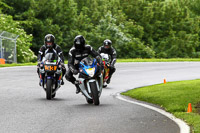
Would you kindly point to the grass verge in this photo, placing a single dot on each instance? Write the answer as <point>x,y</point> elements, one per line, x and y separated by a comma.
<point>118,60</point>
<point>158,60</point>
<point>20,64</point>
<point>174,98</point>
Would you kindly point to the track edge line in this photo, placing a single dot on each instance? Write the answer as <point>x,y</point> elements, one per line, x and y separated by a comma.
<point>184,128</point>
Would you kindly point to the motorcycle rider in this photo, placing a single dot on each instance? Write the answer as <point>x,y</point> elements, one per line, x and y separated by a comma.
<point>108,49</point>
<point>79,51</point>
<point>49,44</point>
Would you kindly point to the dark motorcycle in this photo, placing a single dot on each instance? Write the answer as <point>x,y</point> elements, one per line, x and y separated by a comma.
<point>50,73</point>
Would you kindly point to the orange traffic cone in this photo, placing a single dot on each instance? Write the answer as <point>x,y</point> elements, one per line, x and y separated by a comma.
<point>189,108</point>
<point>165,81</point>
<point>2,61</point>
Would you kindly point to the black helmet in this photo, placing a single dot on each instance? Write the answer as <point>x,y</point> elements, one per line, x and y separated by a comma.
<point>49,40</point>
<point>79,42</point>
<point>107,44</point>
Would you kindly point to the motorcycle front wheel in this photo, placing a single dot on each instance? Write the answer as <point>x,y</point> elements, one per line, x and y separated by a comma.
<point>94,93</point>
<point>53,95</point>
<point>49,89</point>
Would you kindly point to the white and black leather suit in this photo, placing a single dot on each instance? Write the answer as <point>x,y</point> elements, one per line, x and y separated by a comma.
<point>44,49</point>
<point>74,58</point>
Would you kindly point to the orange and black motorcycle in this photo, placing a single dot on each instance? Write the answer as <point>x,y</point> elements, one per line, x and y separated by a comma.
<point>50,74</point>
<point>106,62</point>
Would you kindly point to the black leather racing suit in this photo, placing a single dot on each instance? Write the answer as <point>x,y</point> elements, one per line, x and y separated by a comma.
<point>74,58</point>
<point>112,52</point>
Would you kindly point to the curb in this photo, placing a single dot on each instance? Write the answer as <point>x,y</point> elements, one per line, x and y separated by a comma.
<point>184,128</point>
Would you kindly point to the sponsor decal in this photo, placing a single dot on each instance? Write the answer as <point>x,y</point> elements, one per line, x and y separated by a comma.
<point>78,55</point>
<point>48,38</point>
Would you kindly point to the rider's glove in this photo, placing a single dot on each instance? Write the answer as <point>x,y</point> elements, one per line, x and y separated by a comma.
<point>101,65</point>
<point>111,67</point>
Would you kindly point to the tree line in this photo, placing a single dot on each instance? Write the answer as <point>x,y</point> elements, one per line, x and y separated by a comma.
<point>137,28</point>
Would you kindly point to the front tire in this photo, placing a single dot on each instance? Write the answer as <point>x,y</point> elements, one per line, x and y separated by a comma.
<point>53,96</point>
<point>49,89</point>
<point>94,93</point>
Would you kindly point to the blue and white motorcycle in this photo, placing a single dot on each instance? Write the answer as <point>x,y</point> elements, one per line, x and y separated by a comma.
<point>90,80</point>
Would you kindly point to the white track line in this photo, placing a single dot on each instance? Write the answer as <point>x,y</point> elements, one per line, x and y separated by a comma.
<point>184,128</point>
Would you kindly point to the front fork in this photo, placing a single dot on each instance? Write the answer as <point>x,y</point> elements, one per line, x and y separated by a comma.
<point>56,80</point>
<point>99,83</point>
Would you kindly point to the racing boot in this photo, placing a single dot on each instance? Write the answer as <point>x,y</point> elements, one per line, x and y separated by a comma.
<point>40,83</point>
<point>104,85</point>
<point>63,71</point>
<point>77,86</point>
<point>40,80</point>
<point>62,82</point>
<point>108,81</point>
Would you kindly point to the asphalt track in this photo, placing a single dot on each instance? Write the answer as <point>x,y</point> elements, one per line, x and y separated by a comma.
<point>24,109</point>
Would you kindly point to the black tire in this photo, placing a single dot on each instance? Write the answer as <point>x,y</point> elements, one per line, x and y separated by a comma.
<point>94,93</point>
<point>49,89</point>
<point>90,101</point>
<point>53,95</point>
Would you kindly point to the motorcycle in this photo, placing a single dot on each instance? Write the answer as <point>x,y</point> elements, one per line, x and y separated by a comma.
<point>90,80</point>
<point>106,62</point>
<point>50,74</point>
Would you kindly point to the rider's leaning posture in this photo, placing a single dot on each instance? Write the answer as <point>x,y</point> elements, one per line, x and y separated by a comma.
<point>79,51</point>
<point>49,44</point>
<point>108,49</point>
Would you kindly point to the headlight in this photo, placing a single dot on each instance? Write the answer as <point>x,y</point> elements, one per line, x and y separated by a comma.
<point>91,71</point>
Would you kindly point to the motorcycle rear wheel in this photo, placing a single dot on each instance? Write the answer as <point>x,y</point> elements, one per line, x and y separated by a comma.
<point>53,95</point>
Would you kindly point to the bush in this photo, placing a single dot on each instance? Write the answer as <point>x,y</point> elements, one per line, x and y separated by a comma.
<point>24,54</point>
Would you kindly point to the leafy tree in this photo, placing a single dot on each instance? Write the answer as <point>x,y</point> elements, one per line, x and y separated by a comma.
<point>139,28</point>
<point>164,21</point>
<point>127,46</point>
<point>66,18</point>
<point>24,54</point>
<point>4,6</point>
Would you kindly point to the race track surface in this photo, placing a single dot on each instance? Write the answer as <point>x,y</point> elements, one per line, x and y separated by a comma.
<point>24,109</point>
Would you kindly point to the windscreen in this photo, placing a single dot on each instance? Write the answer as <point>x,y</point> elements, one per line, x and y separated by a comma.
<point>51,57</point>
<point>87,61</point>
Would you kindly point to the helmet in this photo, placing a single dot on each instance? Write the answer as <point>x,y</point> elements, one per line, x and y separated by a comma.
<point>79,42</point>
<point>107,43</point>
<point>49,40</point>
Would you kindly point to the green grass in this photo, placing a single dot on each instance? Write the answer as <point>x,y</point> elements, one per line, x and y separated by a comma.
<point>158,60</point>
<point>174,98</point>
<point>20,64</point>
<point>118,60</point>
